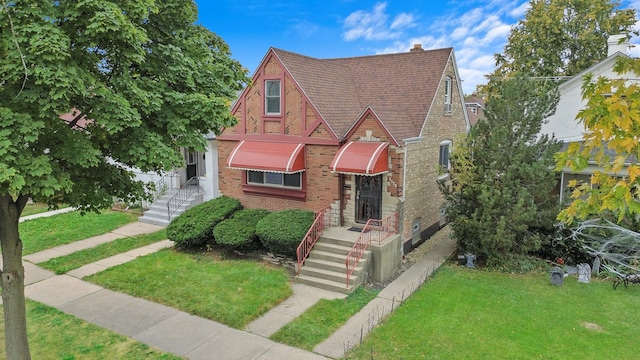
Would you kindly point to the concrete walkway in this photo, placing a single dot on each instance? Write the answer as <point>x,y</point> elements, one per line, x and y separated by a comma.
<point>45,214</point>
<point>180,333</point>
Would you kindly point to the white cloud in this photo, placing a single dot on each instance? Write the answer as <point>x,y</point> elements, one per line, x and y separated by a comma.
<point>427,42</point>
<point>500,32</point>
<point>374,25</point>
<point>459,33</point>
<point>519,11</point>
<point>470,78</point>
<point>484,63</point>
<point>402,20</point>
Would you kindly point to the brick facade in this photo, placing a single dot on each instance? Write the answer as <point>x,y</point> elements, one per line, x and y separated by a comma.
<point>409,187</point>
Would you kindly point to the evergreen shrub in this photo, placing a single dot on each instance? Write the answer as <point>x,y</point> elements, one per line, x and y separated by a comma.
<point>239,231</point>
<point>281,232</point>
<point>195,226</point>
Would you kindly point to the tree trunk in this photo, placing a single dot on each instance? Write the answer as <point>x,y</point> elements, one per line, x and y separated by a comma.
<point>12,275</point>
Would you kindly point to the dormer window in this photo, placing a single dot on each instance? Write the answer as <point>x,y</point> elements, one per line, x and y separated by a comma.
<point>447,95</point>
<point>272,97</point>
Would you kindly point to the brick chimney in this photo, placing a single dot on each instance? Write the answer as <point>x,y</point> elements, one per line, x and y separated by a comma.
<point>615,45</point>
<point>416,47</point>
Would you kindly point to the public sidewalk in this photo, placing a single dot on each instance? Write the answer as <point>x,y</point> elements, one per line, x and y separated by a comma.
<point>193,337</point>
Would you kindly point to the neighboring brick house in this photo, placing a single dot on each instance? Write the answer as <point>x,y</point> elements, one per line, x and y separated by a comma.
<point>475,108</point>
<point>363,135</point>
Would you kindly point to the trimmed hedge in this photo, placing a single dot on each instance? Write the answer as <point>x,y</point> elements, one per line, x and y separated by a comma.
<point>239,231</point>
<point>281,232</point>
<point>195,226</point>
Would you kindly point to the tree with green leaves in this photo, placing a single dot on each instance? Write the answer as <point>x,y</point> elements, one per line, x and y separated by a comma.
<point>139,79</point>
<point>611,119</point>
<point>562,37</point>
<point>498,194</point>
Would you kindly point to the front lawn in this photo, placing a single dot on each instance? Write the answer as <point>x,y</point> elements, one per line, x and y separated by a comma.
<point>322,319</point>
<point>64,264</point>
<point>47,232</point>
<point>469,314</point>
<point>56,335</point>
<point>36,208</point>
<point>233,292</point>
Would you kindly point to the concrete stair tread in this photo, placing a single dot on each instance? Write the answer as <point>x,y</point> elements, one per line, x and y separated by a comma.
<point>327,274</point>
<point>157,211</point>
<point>331,265</point>
<point>326,284</point>
<point>336,249</point>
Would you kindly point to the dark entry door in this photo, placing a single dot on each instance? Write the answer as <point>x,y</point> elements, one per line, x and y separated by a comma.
<point>192,165</point>
<point>368,198</point>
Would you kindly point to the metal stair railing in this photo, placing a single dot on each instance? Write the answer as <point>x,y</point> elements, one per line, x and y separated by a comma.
<point>184,193</point>
<point>160,188</point>
<point>323,218</point>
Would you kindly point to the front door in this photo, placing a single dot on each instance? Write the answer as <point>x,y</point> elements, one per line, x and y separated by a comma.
<point>368,198</point>
<point>192,164</point>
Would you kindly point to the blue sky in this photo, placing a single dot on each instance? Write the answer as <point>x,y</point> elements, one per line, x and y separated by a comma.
<point>344,28</point>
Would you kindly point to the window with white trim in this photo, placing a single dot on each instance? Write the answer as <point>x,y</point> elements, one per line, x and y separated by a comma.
<point>447,94</point>
<point>272,97</point>
<point>445,152</point>
<point>290,181</point>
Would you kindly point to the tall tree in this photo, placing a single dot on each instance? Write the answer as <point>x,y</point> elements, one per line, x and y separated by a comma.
<point>562,37</point>
<point>498,197</point>
<point>611,119</point>
<point>141,80</point>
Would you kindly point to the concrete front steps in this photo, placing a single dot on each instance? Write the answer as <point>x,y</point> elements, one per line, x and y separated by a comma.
<point>157,213</point>
<point>325,267</point>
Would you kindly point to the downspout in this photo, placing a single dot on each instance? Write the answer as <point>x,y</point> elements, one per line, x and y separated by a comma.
<point>341,191</point>
<point>561,186</point>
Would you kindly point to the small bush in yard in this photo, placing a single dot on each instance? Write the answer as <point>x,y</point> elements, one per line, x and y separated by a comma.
<point>281,232</point>
<point>195,226</point>
<point>239,231</point>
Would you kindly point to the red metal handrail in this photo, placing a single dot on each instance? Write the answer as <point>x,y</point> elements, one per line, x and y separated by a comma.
<point>312,236</point>
<point>374,229</point>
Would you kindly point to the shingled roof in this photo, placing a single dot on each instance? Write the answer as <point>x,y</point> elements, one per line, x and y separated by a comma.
<point>399,88</point>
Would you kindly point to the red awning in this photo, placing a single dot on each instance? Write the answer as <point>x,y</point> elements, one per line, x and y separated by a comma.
<point>362,158</point>
<point>267,156</point>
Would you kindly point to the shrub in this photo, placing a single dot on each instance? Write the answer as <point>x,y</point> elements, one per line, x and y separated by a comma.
<point>281,232</point>
<point>195,226</point>
<point>239,231</point>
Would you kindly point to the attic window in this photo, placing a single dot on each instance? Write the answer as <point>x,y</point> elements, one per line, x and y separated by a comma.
<point>272,97</point>
<point>447,95</point>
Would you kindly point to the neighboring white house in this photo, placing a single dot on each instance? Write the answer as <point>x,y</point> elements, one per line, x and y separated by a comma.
<point>564,124</point>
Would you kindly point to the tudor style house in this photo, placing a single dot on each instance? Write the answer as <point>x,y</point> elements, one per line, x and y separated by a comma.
<point>366,136</point>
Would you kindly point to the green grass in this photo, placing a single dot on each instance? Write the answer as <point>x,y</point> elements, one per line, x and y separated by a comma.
<point>322,319</point>
<point>469,314</point>
<point>55,335</point>
<point>233,292</point>
<point>64,264</point>
<point>47,232</point>
<point>36,208</point>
